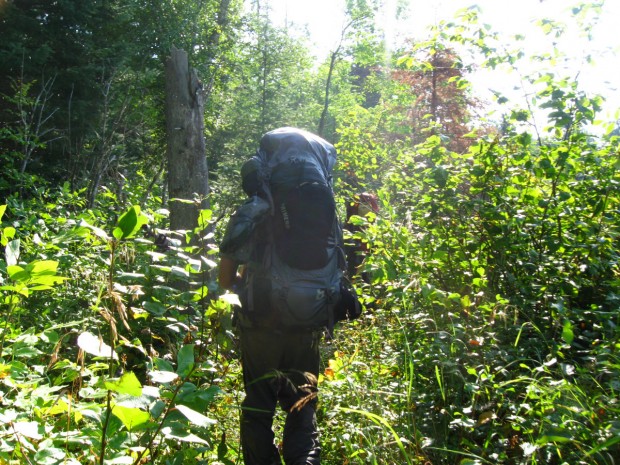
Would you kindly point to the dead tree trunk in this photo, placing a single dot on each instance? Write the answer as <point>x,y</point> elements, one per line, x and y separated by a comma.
<point>328,84</point>
<point>187,162</point>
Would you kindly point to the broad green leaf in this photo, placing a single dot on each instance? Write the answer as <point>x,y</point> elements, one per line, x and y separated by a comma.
<point>11,252</point>
<point>196,418</point>
<point>50,336</point>
<point>127,384</point>
<point>7,234</point>
<point>178,271</point>
<point>58,407</point>
<point>163,364</point>
<point>13,299</point>
<point>47,455</point>
<point>158,376</point>
<point>193,266</point>
<point>30,429</point>
<point>92,345</point>
<point>204,217</point>
<point>22,350</point>
<point>210,263</point>
<point>185,360</point>
<point>47,281</point>
<point>130,223</point>
<point>357,220</point>
<point>100,233</point>
<point>41,287</point>
<point>17,273</point>
<point>567,332</point>
<point>43,267</point>
<point>222,447</point>
<point>130,416</point>
<point>155,308</point>
<point>2,210</point>
<point>231,299</point>
<point>181,435</point>
<point>200,294</point>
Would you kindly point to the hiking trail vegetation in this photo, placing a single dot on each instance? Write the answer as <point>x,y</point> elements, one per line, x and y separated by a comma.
<point>492,279</point>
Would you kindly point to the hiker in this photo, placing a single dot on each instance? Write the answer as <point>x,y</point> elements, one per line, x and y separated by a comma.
<point>287,239</point>
<point>361,205</point>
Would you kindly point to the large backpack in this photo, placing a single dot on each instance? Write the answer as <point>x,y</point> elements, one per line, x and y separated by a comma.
<point>294,277</point>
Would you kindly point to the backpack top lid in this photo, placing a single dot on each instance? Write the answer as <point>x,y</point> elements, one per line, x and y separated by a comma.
<point>251,175</point>
<point>283,142</point>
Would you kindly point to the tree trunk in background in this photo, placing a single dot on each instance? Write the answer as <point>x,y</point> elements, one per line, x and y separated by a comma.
<point>332,64</point>
<point>187,162</point>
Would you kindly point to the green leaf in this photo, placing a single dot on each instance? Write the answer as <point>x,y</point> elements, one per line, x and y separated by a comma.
<point>163,377</point>
<point>38,275</point>
<point>2,210</point>
<point>162,364</point>
<point>100,233</point>
<point>127,384</point>
<point>194,417</point>
<point>185,360</point>
<point>11,252</point>
<point>19,350</point>
<point>200,294</point>
<point>554,437</point>
<point>180,435</point>
<point>130,416</point>
<point>231,299</point>
<point>222,447</point>
<point>17,273</point>
<point>155,308</point>
<point>49,455</point>
<point>43,267</point>
<point>204,217</point>
<point>130,223</point>
<point>604,446</point>
<point>567,332</point>
<point>91,344</point>
<point>30,429</point>
<point>7,233</point>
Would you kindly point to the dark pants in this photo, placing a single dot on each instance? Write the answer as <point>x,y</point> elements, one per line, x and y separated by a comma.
<point>279,367</point>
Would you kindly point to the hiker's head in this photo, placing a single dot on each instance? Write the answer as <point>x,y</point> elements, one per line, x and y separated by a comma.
<point>250,181</point>
<point>362,204</point>
<point>368,202</point>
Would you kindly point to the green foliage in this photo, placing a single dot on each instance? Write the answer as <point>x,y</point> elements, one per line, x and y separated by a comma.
<point>129,376</point>
<point>491,279</point>
<point>493,324</point>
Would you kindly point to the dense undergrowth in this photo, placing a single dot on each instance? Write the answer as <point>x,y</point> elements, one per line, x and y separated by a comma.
<point>492,296</point>
<point>490,335</point>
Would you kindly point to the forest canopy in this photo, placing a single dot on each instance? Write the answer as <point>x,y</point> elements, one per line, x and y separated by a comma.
<point>492,280</point>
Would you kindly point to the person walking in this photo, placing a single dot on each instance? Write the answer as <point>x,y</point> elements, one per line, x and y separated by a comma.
<point>282,366</point>
<point>288,281</point>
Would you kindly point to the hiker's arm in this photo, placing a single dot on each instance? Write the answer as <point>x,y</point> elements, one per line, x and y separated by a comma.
<point>228,273</point>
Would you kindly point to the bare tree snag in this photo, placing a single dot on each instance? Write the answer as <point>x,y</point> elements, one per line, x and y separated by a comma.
<point>187,161</point>
<point>332,65</point>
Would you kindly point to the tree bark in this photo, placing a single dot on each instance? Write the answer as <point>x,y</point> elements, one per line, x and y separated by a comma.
<point>187,162</point>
